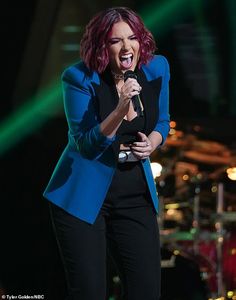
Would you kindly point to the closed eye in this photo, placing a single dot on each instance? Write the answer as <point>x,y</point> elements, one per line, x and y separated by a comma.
<point>113,41</point>
<point>133,37</point>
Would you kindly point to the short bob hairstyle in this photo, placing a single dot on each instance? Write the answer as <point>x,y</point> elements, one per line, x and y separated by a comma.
<point>94,42</point>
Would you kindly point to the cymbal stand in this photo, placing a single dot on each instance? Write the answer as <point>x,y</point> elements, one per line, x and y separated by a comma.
<point>219,241</point>
<point>161,214</point>
<point>195,224</point>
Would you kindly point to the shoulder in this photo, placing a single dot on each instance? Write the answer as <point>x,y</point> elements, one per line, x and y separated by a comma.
<point>156,67</point>
<point>79,74</point>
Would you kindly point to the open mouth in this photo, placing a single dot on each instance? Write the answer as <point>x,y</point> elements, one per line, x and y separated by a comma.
<point>126,60</point>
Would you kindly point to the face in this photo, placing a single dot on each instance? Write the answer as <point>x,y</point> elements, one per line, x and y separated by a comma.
<point>123,47</point>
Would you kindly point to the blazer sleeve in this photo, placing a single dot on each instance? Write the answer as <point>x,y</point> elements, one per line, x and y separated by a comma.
<point>162,125</point>
<point>84,128</point>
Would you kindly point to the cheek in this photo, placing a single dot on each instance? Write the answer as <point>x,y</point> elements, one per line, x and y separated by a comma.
<point>138,51</point>
<point>112,53</point>
<point>114,56</point>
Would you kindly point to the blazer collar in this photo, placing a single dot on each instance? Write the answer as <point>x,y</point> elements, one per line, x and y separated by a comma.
<point>149,96</point>
<point>107,97</point>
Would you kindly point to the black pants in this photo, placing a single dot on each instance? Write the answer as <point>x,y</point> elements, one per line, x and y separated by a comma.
<point>126,227</point>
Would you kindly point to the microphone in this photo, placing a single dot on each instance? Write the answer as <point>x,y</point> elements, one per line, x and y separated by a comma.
<point>137,104</point>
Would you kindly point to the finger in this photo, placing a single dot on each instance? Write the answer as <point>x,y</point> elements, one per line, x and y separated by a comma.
<point>128,95</point>
<point>143,143</point>
<point>142,136</point>
<point>131,81</point>
<point>137,149</point>
<point>132,85</point>
<point>140,155</point>
<point>131,94</point>
<point>141,150</point>
<point>140,144</point>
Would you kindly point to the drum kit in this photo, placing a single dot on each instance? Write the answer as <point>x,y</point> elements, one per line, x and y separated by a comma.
<point>197,219</point>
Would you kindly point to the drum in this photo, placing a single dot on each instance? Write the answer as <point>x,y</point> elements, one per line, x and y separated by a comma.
<point>229,261</point>
<point>207,260</point>
<point>181,277</point>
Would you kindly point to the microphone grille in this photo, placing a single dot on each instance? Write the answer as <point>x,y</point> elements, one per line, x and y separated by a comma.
<point>129,74</point>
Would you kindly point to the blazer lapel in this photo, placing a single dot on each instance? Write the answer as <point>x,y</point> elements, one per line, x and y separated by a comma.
<point>106,101</point>
<point>149,96</point>
<point>107,97</point>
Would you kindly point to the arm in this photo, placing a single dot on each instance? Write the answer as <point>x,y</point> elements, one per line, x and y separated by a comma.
<point>157,137</point>
<point>90,138</point>
<point>84,130</point>
<point>162,127</point>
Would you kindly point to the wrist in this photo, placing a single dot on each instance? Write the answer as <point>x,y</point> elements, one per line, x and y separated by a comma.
<point>155,139</point>
<point>119,112</point>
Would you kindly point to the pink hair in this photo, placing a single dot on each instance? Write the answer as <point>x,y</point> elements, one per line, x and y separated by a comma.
<point>93,45</point>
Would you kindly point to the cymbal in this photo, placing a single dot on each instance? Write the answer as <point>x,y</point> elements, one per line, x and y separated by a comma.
<point>177,236</point>
<point>187,236</point>
<point>191,142</point>
<point>228,216</point>
<point>176,205</point>
<point>181,167</point>
<point>179,139</point>
<point>176,142</point>
<point>207,158</point>
<point>210,147</point>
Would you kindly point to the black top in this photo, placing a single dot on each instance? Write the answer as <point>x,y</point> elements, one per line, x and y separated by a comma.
<point>129,186</point>
<point>127,132</point>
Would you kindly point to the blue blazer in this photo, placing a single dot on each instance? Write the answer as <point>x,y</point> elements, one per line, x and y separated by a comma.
<point>84,172</point>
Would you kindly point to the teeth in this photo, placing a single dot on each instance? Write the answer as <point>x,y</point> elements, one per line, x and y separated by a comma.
<point>126,56</point>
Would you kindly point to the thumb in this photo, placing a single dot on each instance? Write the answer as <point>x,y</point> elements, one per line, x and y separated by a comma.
<point>142,136</point>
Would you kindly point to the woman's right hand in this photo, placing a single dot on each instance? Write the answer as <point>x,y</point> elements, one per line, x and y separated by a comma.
<point>109,126</point>
<point>129,89</point>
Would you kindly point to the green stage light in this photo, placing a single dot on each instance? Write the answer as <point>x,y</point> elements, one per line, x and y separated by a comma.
<point>159,17</point>
<point>230,8</point>
<point>210,55</point>
<point>29,117</point>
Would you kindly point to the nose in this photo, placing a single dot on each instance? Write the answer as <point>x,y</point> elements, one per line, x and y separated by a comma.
<point>126,45</point>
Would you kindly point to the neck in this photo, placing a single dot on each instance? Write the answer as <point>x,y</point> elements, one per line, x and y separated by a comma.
<point>117,76</point>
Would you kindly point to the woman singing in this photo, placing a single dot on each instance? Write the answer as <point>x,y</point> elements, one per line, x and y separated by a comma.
<point>102,193</point>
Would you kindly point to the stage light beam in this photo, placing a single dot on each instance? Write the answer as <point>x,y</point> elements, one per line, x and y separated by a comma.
<point>29,117</point>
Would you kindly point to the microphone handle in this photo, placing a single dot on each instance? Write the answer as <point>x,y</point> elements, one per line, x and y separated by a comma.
<point>137,105</point>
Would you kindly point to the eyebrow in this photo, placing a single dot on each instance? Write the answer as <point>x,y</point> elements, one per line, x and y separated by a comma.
<point>118,38</point>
